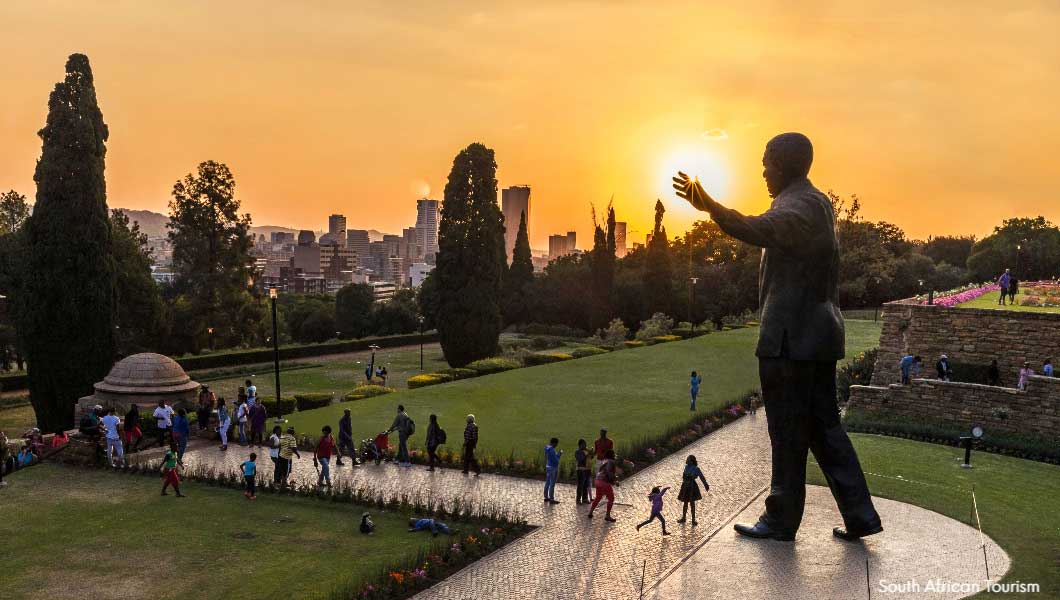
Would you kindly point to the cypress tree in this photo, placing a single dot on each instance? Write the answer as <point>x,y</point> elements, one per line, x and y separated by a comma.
<point>471,259</point>
<point>519,279</point>
<point>67,301</point>
<point>658,281</point>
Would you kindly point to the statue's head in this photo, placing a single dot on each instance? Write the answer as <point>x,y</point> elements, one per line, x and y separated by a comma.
<point>787,158</point>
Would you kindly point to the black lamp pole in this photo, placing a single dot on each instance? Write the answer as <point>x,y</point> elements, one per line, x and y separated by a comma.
<point>275,344</point>
<point>421,342</point>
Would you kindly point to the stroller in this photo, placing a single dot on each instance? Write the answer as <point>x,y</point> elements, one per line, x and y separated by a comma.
<point>376,450</point>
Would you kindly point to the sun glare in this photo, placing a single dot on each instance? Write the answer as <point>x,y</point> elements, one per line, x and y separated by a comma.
<point>695,160</point>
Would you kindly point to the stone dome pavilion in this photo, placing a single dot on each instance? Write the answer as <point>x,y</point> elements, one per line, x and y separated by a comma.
<point>142,379</point>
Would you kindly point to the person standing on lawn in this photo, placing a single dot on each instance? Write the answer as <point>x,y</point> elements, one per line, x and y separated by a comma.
<point>258,415</point>
<point>252,393</point>
<point>170,477</point>
<point>470,442</point>
<point>181,433</point>
<point>584,472</point>
<point>242,416</point>
<point>605,482</point>
<point>250,472</point>
<point>689,493</point>
<point>435,438</point>
<point>288,450</point>
<point>656,497</point>
<point>404,427</point>
<point>322,455</point>
<point>274,454</point>
<point>346,439</point>
<point>552,457</point>
<point>1013,288</point>
<point>1002,283</point>
<point>164,421</point>
<point>224,422</point>
<point>133,432</point>
<point>694,389</point>
<point>110,424</point>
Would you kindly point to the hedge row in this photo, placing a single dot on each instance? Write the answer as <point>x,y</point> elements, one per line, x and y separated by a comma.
<point>367,391</point>
<point>18,381</point>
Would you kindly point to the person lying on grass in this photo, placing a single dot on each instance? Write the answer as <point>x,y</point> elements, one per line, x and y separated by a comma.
<point>432,525</point>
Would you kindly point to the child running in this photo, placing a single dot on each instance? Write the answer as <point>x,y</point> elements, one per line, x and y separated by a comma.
<point>656,497</point>
<point>169,473</point>
<point>250,472</point>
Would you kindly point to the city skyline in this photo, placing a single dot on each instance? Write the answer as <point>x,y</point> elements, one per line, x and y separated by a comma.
<point>359,110</point>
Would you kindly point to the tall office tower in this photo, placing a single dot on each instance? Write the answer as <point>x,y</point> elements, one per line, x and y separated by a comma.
<point>427,218</point>
<point>306,237</point>
<point>337,228</point>
<point>561,245</point>
<point>357,240</point>
<point>515,201</point>
<point>620,238</point>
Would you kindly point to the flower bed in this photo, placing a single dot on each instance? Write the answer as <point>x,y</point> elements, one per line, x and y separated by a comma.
<point>1040,293</point>
<point>961,295</point>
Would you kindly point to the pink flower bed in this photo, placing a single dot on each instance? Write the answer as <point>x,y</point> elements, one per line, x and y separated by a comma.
<point>965,296</point>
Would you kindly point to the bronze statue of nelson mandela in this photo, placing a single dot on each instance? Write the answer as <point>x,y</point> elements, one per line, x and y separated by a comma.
<point>800,340</point>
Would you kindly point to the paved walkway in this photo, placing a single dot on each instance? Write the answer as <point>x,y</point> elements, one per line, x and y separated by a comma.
<point>570,556</point>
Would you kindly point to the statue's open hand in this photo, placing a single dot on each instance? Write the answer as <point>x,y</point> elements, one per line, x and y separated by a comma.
<point>692,191</point>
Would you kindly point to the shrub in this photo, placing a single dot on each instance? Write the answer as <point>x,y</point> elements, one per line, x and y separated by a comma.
<point>550,330</point>
<point>460,373</point>
<point>544,358</point>
<point>857,372</point>
<point>583,351</point>
<point>658,324</point>
<point>311,401</point>
<point>612,337</point>
<point>667,338</point>
<point>633,343</point>
<point>367,391</point>
<point>418,381</point>
<point>486,366</point>
<point>544,342</point>
<point>285,406</point>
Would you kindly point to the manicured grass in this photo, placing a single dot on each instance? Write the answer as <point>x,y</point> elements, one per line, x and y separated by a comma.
<point>635,393</point>
<point>91,534</point>
<point>989,300</point>
<point>15,420</point>
<point>1016,498</point>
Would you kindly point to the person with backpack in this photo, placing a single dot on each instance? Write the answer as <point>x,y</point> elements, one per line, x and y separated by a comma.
<point>405,426</point>
<point>435,438</point>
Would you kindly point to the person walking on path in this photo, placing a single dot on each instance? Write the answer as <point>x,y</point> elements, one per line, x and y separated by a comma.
<point>258,416</point>
<point>693,387</point>
<point>288,450</point>
<point>552,456</point>
<point>435,438</point>
<point>346,440</point>
<point>656,497</point>
<point>470,442</point>
<point>942,368</point>
<point>181,433</point>
<point>910,366</point>
<point>584,473</point>
<point>404,427</point>
<point>1025,374</point>
<point>223,423</point>
<point>1047,367</point>
<point>111,423</point>
<point>250,472</point>
<point>133,431</point>
<point>252,393</point>
<point>1013,288</point>
<point>274,454</point>
<point>689,493</point>
<point>322,455</point>
<point>605,482</point>
<point>601,446</point>
<point>164,421</point>
<point>242,416</point>
<point>205,407</point>
<point>170,477</point>
<point>1002,283</point>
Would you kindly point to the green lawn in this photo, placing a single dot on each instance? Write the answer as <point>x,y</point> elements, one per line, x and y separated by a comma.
<point>989,300</point>
<point>1017,498</point>
<point>92,534</point>
<point>635,393</point>
<point>15,420</point>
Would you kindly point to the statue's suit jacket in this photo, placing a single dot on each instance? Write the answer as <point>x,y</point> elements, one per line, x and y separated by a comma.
<point>799,276</point>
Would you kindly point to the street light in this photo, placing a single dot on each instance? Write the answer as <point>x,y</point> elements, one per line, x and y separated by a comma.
<point>209,331</point>
<point>273,293</point>
<point>692,300</point>
<point>420,319</point>
<point>371,365</point>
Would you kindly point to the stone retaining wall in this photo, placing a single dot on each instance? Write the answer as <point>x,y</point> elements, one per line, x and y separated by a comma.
<point>1034,412</point>
<point>966,335</point>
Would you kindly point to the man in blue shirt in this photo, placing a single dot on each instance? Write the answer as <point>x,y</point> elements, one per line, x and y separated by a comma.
<point>909,363</point>
<point>1047,367</point>
<point>1002,282</point>
<point>428,525</point>
<point>551,470</point>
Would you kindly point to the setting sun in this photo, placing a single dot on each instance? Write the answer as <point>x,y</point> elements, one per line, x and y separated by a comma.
<point>697,160</point>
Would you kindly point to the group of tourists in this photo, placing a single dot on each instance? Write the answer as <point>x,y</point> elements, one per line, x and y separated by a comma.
<point>909,367</point>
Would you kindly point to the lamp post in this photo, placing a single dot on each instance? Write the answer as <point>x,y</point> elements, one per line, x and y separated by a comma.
<point>692,300</point>
<point>209,332</point>
<point>273,293</point>
<point>420,319</point>
<point>371,365</point>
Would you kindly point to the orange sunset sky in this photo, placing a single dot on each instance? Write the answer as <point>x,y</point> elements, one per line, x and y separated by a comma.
<point>944,117</point>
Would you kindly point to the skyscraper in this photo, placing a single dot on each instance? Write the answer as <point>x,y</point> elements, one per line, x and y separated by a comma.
<point>357,240</point>
<point>561,245</point>
<point>515,201</point>
<point>337,228</point>
<point>620,238</point>
<point>427,227</point>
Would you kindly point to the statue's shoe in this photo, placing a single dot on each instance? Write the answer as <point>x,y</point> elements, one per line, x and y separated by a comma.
<point>761,530</point>
<point>856,534</point>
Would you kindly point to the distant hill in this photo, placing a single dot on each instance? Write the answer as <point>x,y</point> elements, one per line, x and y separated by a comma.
<point>154,225</point>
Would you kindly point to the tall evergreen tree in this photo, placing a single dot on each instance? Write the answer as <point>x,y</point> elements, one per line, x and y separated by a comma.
<point>471,259</point>
<point>66,304</point>
<point>603,271</point>
<point>519,280</point>
<point>658,277</point>
<point>13,212</point>
<point>212,262</point>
